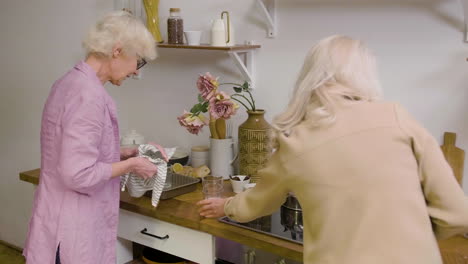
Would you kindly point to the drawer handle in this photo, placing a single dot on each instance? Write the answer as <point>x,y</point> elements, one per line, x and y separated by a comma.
<point>155,236</point>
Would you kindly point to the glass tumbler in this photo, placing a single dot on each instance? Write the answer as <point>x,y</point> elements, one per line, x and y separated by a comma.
<point>212,187</point>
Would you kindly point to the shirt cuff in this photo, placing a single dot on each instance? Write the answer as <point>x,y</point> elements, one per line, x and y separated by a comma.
<point>228,208</point>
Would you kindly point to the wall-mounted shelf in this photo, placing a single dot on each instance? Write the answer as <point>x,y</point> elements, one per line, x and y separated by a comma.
<point>209,47</point>
<point>268,8</point>
<point>465,12</point>
<point>245,64</point>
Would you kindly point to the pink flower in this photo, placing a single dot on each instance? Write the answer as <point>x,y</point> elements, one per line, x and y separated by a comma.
<point>221,106</point>
<point>207,85</point>
<point>192,123</point>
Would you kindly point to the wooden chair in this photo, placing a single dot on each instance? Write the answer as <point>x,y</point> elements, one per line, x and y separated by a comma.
<point>454,250</point>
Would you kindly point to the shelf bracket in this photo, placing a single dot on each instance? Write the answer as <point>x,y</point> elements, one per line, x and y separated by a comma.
<point>269,10</point>
<point>246,65</point>
<point>465,12</point>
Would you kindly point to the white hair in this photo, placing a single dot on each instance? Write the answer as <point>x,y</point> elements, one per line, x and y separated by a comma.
<point>123,28</point>
<point>338,70</point>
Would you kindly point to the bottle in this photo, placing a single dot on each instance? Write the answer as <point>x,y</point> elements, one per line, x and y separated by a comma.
<point>175,27</point>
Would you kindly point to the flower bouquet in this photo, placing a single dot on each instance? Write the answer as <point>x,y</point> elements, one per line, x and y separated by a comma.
<point>220,106</point>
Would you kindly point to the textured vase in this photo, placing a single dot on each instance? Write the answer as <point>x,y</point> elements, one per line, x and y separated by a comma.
<point>254,149</point>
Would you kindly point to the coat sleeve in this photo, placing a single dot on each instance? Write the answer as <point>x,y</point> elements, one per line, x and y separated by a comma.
<point>82,127</point>
<point>446,202</point>
<point>265,198</point>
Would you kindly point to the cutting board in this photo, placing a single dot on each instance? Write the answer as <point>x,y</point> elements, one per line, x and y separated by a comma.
<point>454,155</point>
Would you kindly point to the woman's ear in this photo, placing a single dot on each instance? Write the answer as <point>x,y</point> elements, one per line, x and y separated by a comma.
<point>116,50</point>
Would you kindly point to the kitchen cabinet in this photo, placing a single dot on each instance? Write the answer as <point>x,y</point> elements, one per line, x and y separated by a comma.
<point>181,213</point>
<point>176,240</point>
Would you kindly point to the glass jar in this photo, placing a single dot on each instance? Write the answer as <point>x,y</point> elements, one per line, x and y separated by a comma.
<point>175,27</point>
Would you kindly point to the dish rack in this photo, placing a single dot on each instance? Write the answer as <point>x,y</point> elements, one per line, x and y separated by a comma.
<point>176,185</point>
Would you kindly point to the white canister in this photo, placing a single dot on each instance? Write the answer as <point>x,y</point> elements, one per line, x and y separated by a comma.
<point>199,156</point>
<point>132,138</point>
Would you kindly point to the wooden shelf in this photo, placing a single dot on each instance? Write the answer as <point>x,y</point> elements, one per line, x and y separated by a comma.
<point>209,47</point>
<point>245,64</point>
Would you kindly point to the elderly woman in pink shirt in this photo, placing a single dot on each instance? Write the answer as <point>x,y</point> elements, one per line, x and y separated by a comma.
<point>76,205</point>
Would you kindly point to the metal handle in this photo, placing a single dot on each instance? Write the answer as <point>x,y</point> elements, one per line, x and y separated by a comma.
<point>228,25</point>
<point>252,257</point>
<point>151,235</point>
<point>249,256</point>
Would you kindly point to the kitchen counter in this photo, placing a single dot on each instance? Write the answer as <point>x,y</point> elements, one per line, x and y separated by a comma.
<point>182,211</point>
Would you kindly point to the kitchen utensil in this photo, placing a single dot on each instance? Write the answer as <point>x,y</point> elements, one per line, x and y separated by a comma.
<point>212,187</point>
<point>199,156</point>
<point>454,155</point>
<point>291,216</point>
<point>219,35</point>
<point>193,37</point>
<point>222,157</point>
<point>229,29</point>
<point>180,184</point>
<point>238,182</point>
<point>229,128</point>
<point>132,139</point>
<point>175,27</point>
<point>181,156</point>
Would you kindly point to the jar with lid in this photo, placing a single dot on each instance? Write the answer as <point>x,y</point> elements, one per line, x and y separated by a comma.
<point>175,27</point>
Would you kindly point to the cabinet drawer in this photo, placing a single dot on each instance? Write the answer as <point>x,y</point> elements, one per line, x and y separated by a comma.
<point>183,242</point>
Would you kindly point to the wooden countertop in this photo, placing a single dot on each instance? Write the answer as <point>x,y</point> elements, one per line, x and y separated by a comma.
<point>181,210</point>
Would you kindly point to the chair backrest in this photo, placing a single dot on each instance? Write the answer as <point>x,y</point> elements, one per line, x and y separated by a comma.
<point>454,155</point>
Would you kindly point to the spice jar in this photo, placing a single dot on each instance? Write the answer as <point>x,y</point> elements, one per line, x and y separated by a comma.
<point>175,27</point>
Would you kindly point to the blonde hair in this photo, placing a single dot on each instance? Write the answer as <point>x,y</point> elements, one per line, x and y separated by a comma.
<point>123,28</point>
<point>338,70</point>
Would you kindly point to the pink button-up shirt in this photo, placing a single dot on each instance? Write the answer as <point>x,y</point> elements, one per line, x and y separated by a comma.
<point>76,204</point>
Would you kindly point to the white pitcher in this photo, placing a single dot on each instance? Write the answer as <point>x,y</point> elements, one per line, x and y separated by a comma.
<point>222,157</point>
<point>222,34</point>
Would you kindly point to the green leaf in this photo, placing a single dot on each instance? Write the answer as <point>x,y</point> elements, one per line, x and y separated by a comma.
<point>195,109</point>
<point>245,86</point>
<point>237,89</point>
<point>200,98</point>
<point>204,107</point>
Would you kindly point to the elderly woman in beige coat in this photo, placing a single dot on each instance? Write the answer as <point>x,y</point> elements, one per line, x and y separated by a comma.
<point>373,183</point>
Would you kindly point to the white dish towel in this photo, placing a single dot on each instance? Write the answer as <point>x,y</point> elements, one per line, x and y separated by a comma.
<point>138,186</point>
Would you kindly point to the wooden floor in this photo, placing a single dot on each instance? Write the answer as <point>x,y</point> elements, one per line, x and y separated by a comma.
<point>9,255</point>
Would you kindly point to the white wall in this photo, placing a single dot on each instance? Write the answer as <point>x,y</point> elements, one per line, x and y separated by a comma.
<point>418,43</point>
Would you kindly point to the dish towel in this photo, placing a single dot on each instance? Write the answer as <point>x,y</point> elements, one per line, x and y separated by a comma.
<point>138,186</point>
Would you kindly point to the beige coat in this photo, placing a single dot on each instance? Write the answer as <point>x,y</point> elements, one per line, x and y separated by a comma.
<point>374,188</point>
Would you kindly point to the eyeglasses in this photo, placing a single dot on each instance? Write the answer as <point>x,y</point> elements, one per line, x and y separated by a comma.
<point>140,63</point>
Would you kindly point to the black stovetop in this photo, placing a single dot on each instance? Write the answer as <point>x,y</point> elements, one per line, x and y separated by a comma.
<point>270,225</point>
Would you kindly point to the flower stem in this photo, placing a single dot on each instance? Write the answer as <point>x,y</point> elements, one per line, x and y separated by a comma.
<point>253,107</point>
<point>239,102</point>
<point>231,83</point>
<point>253,101</point>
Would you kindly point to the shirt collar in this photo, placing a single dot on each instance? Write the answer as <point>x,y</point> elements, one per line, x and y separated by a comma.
<point>88,71</point>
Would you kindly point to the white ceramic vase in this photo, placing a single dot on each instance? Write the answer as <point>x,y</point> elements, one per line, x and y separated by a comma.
<point>222,157</point>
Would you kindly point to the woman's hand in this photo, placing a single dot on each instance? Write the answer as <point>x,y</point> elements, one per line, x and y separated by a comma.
<point>143,167</point>
<point>212,208</point>
<point>161,149</point>
<point>126,153</point>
